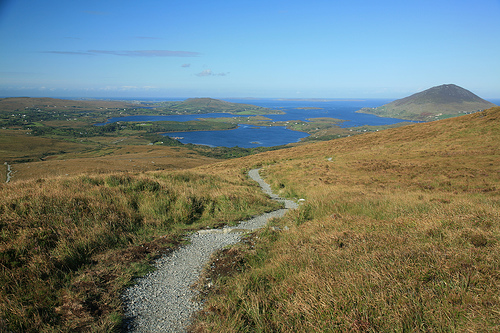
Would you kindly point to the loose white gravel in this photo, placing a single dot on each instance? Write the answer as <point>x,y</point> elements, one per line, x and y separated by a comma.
<point>163,301</point>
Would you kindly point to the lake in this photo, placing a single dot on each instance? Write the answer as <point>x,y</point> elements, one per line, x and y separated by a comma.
<point>245,136</point>
<point>257,136</point>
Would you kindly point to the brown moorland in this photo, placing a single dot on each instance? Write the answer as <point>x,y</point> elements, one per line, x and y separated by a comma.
<point>399,232</point>
<point>126,158</point>
<point>33,157</point>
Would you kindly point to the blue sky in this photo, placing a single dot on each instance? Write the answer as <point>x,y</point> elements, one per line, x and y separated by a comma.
<point>239,48</point>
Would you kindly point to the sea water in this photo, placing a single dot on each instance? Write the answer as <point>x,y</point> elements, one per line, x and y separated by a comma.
<point>248,136</point>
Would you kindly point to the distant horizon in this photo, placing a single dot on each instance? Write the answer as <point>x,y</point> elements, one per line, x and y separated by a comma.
<point>493,100</point>
<point>188,97</point>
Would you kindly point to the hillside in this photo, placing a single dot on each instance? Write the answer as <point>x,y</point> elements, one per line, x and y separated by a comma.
<point>399,230</point>
<point>21,103</point>
<point>434,103</point>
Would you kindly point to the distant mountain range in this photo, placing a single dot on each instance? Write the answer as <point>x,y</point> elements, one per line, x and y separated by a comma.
<point>438,102</point>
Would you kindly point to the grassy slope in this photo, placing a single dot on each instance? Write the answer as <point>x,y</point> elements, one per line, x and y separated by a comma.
<point>33,157</point>
<point>114,159</point>
<point>69,245</point>
<point>16,145</point>
<point>400,231</point>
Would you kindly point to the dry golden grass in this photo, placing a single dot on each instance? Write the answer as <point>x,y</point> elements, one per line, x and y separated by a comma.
<point>68,246</point>
<point>17,145</point>
<point>33,157</point>
<point>3,172</point>
<point>120,159</point>
<point>400,232</point>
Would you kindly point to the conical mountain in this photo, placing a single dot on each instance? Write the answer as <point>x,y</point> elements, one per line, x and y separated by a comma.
<point>442,101</point>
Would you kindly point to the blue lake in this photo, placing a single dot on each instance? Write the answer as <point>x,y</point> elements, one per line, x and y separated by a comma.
<point>245,136</point>
<point>251,136</point>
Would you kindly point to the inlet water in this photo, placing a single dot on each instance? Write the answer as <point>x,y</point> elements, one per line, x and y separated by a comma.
<point>247,136</point>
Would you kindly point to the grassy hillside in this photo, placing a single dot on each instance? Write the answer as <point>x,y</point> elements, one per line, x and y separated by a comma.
<point>69,245</point>
<point>32,157</point>
<point>17,146</point>
<point>14,104</point>
<point>110,160</point>
<point>399,232</point>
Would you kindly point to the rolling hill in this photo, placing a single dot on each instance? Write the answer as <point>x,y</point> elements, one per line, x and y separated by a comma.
<point>434,103</point>
<point>210,105</point>
<point>190,105</point>
<point>21,103</point>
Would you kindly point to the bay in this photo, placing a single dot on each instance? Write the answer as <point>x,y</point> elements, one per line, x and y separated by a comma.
<point>339,109</point>
<point>247,136</point>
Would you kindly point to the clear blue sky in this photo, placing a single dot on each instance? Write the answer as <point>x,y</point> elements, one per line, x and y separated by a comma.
<point>239,48</point>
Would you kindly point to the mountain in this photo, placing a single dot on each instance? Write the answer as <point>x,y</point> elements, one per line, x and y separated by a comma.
<point>437,102</point>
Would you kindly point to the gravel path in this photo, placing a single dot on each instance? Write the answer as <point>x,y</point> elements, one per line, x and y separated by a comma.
<point>9,172</point>
<point>162,301</point>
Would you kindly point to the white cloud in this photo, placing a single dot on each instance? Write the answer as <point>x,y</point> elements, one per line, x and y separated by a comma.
<point>209,72</point>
